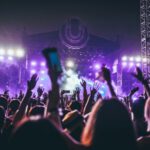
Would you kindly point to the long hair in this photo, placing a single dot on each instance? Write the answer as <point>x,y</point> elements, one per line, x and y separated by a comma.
<point>109,126</point>
<point>37,134</point>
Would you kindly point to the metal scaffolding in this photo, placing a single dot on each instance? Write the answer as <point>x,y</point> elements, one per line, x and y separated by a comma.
<point>145,35</point>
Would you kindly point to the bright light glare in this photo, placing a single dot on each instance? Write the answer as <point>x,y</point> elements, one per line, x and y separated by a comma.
<point>33,71</point>
<point>138,59</point>
<point>97,66</point>
<point>1,58</point>
<point>33,63</point>
<point>20,53</point>
<point>10,58</point>
<point>124,64</point>
<point>131,59</point>
<point>124,58</point>
<point>10,52</point>
<point>138,64</point>
<point>2,52</point>
<point>70,64</point>
<point>131,64</point>
<point>42,64</point>
<point>42,71</point>
<point>144,60</point>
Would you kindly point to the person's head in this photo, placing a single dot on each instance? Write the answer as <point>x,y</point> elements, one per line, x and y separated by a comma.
<point>37,134</point>
<point>37,111</point>
<point>109,126</point>
<point>3,102</point>
<point>75,105</point>
<point>138,108</point>
<point>147,113</point>
<point>13,106</point>
<point>74,123</point>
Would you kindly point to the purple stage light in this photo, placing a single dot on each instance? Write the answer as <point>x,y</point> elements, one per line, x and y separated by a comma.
<point>10,52</point>
<point>10,58</point>
<point>138,59</point>
<point>33,71</point>
<point>1,58</point>
<point>41,85</point>
<point>90,74</point>
<point>42,79</point>
<point>43,71</point>
<point>43,63</point>
<point>33,63</point>
<point>131,64</point>
<point>138,64</point>
<point>144,60</point>
<point>124,58</point>
<point>90,67</point>
<point>124,64</point>
<point>97,66</point>
<point>2,52</point>
<point>131,59</point>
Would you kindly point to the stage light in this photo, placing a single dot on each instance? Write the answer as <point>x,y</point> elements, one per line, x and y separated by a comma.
<point>97,66</point>
<point>131,59</point>
<point>10,58</point>
<point>124,58</point>
<point>138,59</point>
<point>33,63</point>
<point>91,67</point>
<point>10,52</point>
<point>70,64</point>
<point>90,74</point>
<point>124,64</point>
<point>144,60</point>
<point>138,64</point>
<point>43,63</point>
<point>41,85</point>
<point>2,52</point>
<point>42,71</point>
<point>33,71</point>
<point>1,58</point>
<point>131,64</point>
<point>20,53</point>
<point>42,79</point>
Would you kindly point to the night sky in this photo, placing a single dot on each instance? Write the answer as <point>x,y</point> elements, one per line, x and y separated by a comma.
<point>105,18</point>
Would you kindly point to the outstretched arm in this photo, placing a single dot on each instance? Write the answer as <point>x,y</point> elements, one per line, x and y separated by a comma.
<point>30,86</point>
<point>85,95</point>
<point>90,100</point>
<point>107,78</point>
<point>139,76</point>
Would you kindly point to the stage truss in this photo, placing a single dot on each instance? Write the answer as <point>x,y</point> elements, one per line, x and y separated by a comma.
<point>145,35</point>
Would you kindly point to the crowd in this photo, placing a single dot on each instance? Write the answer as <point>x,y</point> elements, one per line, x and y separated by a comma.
<point>52,121</point>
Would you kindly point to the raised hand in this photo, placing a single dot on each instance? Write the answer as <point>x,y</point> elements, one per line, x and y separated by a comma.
<point>139,75</point>
<point>95,88</point>
<point>106,74</point>
<point>40,91</point>
<point>77,90</point>
<point>107,77</point>
<point>134,90</point>
<point>83,83</point>
<point>32,82</point>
